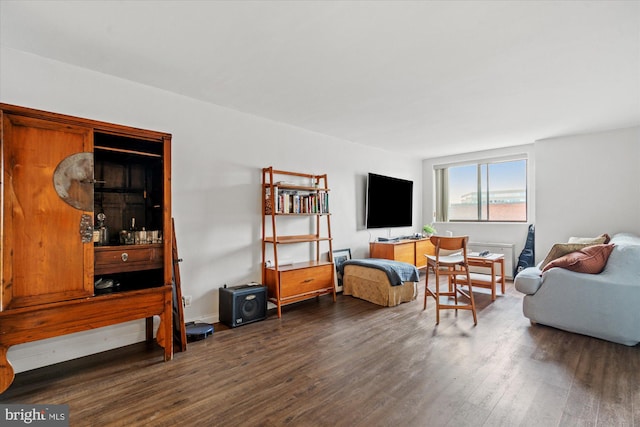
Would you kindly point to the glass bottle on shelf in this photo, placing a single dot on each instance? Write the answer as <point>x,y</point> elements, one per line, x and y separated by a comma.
<point>126,236</point>
<point>140,237</point>
<point>103,233</point>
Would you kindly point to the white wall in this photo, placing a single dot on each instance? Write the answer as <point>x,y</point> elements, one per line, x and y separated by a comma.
<point>218,155</point>
<point>587,185</point>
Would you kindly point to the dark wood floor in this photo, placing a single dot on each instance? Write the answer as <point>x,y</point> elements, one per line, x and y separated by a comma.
<point>353,363</point>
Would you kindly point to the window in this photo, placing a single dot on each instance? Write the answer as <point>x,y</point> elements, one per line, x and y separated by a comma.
<point>492,191</point>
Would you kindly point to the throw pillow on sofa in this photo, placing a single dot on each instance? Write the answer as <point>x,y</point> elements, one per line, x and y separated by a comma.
<point>603,238</point>
<point>574,244</point>
<point>561,249</point>
<point>591,259</point>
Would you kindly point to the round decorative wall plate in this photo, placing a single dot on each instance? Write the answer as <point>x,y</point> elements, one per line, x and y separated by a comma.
<point>73,181</point>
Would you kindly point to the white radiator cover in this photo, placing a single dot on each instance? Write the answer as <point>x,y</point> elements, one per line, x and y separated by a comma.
<point>507,249</point>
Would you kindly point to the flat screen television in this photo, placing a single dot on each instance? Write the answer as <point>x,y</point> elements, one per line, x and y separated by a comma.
<point>389,202</point>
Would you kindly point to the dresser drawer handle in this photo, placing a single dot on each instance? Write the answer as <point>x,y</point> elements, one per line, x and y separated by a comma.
<point>124,256</point>
<point>308,280</point>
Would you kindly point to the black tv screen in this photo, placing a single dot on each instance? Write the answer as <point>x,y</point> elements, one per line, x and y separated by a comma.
<point>389,202</point>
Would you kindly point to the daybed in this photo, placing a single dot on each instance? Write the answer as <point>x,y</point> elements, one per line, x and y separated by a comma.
<point>383,282</point>
<point>604,305</point>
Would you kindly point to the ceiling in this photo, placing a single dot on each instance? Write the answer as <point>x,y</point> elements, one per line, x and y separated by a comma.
<point>426,78</point>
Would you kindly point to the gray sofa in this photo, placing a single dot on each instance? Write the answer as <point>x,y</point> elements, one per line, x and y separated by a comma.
<point>605,305</point>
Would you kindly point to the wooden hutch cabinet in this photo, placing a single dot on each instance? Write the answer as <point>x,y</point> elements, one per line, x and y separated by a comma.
<point>85,228</point>
<point>291,196</point>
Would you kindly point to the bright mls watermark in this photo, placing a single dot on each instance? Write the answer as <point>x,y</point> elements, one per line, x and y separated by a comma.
<point>34,415</point>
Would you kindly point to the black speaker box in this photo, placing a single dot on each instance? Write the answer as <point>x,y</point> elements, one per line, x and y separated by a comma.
<point>243,304</point>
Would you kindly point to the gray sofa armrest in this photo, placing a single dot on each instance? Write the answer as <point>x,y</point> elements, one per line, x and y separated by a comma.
<point>528,281</point>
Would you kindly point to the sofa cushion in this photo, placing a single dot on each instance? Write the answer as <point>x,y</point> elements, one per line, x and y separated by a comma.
<point>591,259</point>
<point>625,239</point>
<point>603,238</point>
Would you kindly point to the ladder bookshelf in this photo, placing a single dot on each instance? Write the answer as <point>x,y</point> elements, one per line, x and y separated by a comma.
<point>286,195</point>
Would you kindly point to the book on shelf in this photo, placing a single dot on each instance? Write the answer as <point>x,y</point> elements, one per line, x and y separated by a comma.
<point>268,205</point>
<point>296,202</point>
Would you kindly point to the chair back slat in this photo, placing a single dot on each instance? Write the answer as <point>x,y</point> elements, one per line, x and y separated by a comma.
<point>450,243</point>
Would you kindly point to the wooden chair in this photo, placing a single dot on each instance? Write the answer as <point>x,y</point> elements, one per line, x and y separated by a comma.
<point>454,266</point>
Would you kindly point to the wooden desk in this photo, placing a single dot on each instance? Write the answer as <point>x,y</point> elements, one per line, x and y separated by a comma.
<point>488,280</point>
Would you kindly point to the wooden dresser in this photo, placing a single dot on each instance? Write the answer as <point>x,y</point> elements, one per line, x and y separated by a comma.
<point>409,251</point>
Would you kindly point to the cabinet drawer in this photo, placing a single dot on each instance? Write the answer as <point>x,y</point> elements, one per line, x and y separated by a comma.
<point>296,282</point>
<point>116,259</point>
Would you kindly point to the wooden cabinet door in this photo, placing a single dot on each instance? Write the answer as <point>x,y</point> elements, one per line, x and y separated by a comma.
<point>423,247</point>
<point>44,257</point>
<point>405,252</point>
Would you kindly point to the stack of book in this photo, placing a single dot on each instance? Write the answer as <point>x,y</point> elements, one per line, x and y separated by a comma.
<point>297,202</point>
